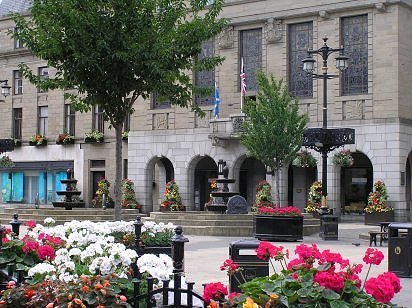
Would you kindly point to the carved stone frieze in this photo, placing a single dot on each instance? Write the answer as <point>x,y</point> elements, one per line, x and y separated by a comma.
<point>353,110</point>
<point>226,38</point>
<point>273,30</point>
<point>203,122</point>
<point>160,121</point>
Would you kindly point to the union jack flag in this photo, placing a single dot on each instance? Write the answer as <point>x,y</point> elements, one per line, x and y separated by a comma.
<point>243,79</point>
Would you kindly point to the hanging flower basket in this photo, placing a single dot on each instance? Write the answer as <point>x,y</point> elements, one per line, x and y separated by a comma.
<point>6,162</point>
<point>304,159</point>
<point>343,159</point>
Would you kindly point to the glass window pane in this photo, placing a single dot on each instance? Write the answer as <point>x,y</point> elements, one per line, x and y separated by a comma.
<point>206,78</point>
<point>251,53</point>
<point>354,36</point>
<point>300,40</point>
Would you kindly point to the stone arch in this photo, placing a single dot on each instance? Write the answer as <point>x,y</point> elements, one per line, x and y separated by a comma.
<point>159,170</point>
<point>199,170</point>
<point>356,183</point>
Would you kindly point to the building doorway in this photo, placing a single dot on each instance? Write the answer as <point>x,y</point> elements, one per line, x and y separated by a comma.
<point>251,172</point>
<point>299,182</point>
<point>161,172</point>
<point>356,184</point>
<point>205,170</point>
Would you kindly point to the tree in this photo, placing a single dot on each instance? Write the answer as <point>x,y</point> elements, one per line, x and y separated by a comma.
<point>115,51</point>
<point>273,132</point>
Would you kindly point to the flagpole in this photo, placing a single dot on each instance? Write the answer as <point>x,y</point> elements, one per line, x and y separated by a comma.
<point>241,86</point>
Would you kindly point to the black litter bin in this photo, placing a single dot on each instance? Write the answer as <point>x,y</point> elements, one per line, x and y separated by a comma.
<point>400,249</point>
<point>329,227</point>
<point>243,252</point>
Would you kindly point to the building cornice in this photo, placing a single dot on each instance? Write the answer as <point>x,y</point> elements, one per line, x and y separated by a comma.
<point>14,53</point>
<point>308,10</point>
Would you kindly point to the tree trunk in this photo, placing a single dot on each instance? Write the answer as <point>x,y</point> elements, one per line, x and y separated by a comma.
<point>118,173</point>
<point>277,188</point>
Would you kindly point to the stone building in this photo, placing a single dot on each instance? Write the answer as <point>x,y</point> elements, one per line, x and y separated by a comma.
<point>373,96</point>
<point>29,111</point>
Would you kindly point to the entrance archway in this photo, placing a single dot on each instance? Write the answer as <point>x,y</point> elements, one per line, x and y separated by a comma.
<point>299,182</point>
<point>356,184</point>
<point>159,171</point>
<point>251,172</point>
<point>205,170</point>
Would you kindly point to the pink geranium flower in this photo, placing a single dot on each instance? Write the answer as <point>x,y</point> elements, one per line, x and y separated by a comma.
<point>46,252</point>
<point>214,291</point>
<point>380,289</point>
<point>373,256</point>
<point>30,224</point>
<point>266,250</point>
<point>330,280</point>
<point>229,266</point>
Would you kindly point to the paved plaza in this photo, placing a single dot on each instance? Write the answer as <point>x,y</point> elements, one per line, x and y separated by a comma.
<point>205,254</point>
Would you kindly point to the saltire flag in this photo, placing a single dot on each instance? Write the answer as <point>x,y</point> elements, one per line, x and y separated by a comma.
<point>217,102</point>
<point>243,78</point>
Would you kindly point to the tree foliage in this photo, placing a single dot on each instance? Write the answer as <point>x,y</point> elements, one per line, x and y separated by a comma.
<point>115,51</point>
<point>274,130</point>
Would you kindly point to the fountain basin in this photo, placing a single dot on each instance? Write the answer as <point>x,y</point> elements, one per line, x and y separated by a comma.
<point>69,205</point>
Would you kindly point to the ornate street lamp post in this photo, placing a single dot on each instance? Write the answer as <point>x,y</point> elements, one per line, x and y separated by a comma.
<point>324,140</point>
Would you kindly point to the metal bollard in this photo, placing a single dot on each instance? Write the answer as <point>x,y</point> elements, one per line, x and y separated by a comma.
<point>2,229</point>
<point>138,233</point>
<point>15,224</point>
<point>178,250</point>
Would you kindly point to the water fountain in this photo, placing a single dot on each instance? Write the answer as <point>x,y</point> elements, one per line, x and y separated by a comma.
<point>69,193</point>
<point>221,197</point>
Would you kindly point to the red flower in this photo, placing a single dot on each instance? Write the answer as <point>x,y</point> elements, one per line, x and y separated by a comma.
<point>29,294</point>
<point>229,266</point>
<point>330,280</point>
<point>30,246</point>
<point>215,291</point>
<point>331,257</point>
<point>307,252</point>
<point>373,256</point>
<point>30,224</point>
<point>392,279</point>
<point>266,250</point>
<point>233,295</point>
<point>46,252</point>
<point>380,289</point>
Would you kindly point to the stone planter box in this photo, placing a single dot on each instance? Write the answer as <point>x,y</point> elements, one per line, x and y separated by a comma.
<point>375,218</point>
<point>278,228</point>
<point>71,141</point>
<point>33,143</point>
<point>93,140</point>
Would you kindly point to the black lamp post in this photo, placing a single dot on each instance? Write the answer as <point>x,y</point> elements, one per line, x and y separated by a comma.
<point>323,139</point>
<point>5,88</point>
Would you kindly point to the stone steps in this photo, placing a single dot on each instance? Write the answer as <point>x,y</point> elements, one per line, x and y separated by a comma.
<point>62,215</point>
<point>211,224</point>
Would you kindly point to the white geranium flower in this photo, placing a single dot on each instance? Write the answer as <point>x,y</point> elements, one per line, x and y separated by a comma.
<point>41,268</point>
<point>49,221</point>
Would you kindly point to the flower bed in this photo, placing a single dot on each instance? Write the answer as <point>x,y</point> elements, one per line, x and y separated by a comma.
<point>313,278</point>
<point>68,264</point>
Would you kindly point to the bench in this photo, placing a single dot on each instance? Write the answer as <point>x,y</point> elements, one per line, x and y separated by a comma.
<point>383,236</point>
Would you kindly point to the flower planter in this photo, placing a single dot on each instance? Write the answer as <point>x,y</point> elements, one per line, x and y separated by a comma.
<point>278,228</point>
<point>33,143</point>
<point>93,140</point>
<point>375,218</point>
<point>70,141</point>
